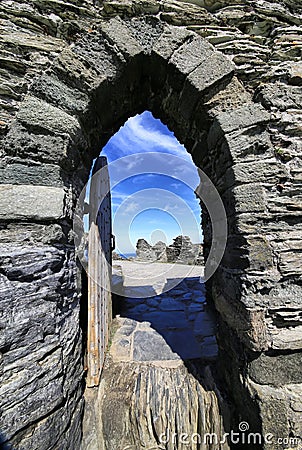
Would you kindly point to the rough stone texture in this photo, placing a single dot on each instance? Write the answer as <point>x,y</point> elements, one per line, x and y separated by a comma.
<point>270,369</point>
<point>41,366</point>
<point>181,315</point>
<point>38,203</point>
<point>280,409</point>
<point>140,399</point>
<point>67,83</point>
<point>144,251</point>
<point>182,251</point>
<point>160,250</point>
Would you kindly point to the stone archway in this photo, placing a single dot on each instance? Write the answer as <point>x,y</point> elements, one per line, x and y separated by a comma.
<point>72,109</point>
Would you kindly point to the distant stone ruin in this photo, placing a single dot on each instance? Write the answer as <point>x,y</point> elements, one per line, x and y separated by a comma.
<point>182,251</point>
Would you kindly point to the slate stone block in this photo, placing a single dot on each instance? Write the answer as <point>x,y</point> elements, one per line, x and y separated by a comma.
<point>31,202</point>
<point>151,347</point>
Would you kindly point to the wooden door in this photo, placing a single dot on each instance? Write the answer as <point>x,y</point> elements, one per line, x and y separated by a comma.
<point>99,270</point>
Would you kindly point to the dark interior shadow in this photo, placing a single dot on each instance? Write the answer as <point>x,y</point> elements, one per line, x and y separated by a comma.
<point>180,314</point>
<point>4,445</point>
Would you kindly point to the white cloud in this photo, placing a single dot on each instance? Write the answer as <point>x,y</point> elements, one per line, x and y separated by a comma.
<point>135,137</point>
<point>175,185</point>
<point>119,195</point>
<point>130,207</point>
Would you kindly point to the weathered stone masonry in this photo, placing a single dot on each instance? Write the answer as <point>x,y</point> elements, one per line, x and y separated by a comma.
<point>227,80</point>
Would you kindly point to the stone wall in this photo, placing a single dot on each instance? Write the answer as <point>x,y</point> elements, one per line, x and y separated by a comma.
<point>226,77</point>
<point>182,251</point>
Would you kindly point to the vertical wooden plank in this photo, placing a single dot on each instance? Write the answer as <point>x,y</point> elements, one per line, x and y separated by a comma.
<point>99,272</point>
<point>92,334</point>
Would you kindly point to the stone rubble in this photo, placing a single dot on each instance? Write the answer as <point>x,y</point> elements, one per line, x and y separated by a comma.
<point>182,251</point>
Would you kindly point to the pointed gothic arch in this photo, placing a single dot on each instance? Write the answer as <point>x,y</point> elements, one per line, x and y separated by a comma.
<point>71,110</point>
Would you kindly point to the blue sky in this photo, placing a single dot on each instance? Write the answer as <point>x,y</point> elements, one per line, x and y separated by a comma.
<point>152,184</point>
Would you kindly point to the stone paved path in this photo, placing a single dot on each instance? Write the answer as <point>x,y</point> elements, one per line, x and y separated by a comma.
<point>149,394</point>
<point>143,279</point>
<point>179,317</point>
<point>157,378</point>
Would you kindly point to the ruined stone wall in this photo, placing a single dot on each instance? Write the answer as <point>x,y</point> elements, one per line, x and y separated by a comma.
<point>69,78</point>
<point>182,251</point>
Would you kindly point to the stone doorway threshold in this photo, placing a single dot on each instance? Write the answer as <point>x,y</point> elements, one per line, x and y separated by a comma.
<point>170,298</point>
<point>148,388</point>
<point>148,393</point>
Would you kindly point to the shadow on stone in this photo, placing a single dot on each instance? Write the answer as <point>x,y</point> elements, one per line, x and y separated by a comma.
<point>181,316</point>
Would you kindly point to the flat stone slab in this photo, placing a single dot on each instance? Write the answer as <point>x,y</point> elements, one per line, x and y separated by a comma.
<point>184,343</point>
<point>138,342</point>
<point>180,318</point>
<point>31,202</point>
<point>151,346</point>
<point>204,325</point>
<point>139,309</point>
<point>153,302</point>
<point>195,307</point>
<point>170,304</point>
<point>161,320</point>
